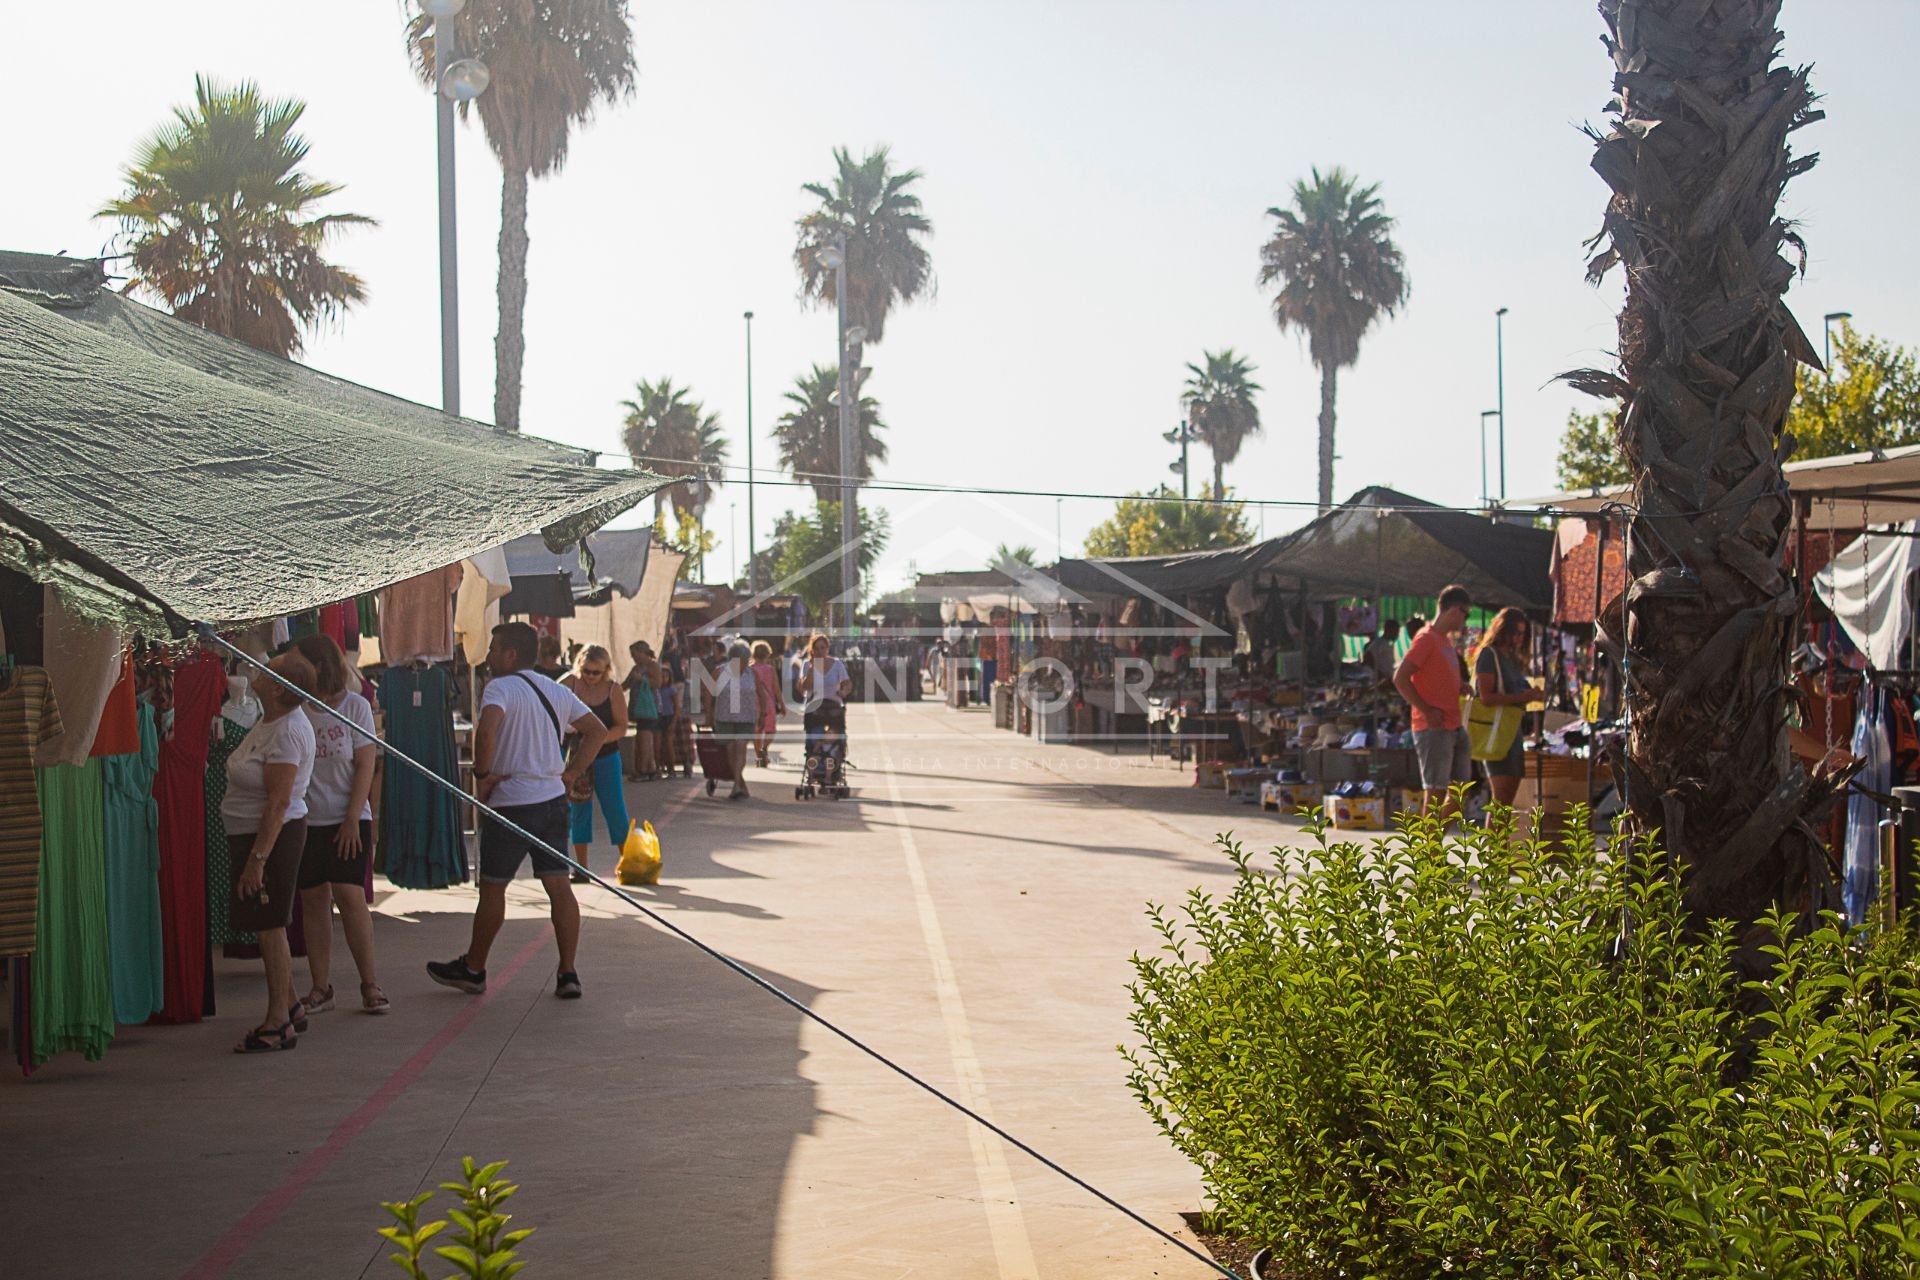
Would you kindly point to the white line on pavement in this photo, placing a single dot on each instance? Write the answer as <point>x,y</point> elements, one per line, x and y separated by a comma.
<point>1011,1247</point>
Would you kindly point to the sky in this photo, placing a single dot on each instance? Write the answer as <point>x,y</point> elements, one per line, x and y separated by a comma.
<point>1097,174</point>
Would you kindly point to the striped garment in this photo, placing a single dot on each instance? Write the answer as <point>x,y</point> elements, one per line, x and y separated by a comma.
<point>28,717</point>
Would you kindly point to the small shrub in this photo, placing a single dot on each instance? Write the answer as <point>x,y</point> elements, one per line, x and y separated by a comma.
<point>482,1248</point>
<point>1485,1058</point>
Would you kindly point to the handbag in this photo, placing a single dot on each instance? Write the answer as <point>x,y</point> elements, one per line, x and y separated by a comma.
<point>1490,729</point>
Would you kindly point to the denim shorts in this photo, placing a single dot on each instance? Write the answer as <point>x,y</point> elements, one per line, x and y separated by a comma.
<point>1445,757</point>
<point>502,851</point>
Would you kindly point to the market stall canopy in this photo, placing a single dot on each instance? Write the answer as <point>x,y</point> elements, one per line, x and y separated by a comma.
<point>619,561</point>
<point>1385,543</point>
<point>1851,491</point>
<point>1173,577</point>
<point>159,474</point>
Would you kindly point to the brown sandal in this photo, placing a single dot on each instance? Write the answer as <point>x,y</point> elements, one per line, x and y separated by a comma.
<point>373,999</point>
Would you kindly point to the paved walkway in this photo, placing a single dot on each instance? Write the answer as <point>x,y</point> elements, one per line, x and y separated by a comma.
<point>970,912</point>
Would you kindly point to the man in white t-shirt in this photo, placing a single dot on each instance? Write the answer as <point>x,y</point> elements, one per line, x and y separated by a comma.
<point>524,777</point>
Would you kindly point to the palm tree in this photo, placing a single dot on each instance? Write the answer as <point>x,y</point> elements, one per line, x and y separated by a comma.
<point>220,222</point>
<point>553,64</point>
<point>672,435</point>
<point>1219,401</point>
<point>887,263</point>
<point>1338,271</point>
<point>809,434</point>
<point>1697,158</point>
<point>1006,557</point>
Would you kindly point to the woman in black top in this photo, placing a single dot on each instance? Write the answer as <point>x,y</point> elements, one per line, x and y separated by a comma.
<point>592,682</point>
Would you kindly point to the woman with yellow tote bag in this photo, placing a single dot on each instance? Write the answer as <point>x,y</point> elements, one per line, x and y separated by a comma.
<point>1498,705</point>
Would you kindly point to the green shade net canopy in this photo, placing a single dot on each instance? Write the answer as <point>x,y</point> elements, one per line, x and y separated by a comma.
<point>161,475</point>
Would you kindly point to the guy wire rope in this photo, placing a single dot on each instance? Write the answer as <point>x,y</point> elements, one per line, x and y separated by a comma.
<point>207,634</point>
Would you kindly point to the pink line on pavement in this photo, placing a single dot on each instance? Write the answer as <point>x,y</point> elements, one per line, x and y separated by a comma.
<point>276,1202</point>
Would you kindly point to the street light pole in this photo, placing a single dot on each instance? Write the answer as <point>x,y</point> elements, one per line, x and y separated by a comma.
<point>753,569</point>
<point>455,79</point>
<point>1486,499</point>
<point>849,556</point>
<point>1183,435</point>
<point>1500,373</point>
<point>1830,317</point>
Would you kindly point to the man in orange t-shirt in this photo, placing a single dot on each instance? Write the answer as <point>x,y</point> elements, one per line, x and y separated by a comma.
<point>1432,679</point>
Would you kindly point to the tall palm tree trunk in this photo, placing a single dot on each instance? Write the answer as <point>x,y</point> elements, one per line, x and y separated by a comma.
<point>1328,376</point>
<point>1707,352</point>
<point>1219,477</point>
<point>510,341</point>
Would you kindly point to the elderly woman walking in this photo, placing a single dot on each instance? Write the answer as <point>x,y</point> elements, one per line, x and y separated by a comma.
<point>265,814</point>
<point>733,712</point>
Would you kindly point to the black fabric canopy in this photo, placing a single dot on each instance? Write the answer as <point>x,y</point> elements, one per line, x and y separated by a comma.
<point>1385,543</point>
<point>159,474</point>
<point>1171,576</point>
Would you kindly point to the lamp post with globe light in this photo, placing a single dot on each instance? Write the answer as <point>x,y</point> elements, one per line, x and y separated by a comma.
<point>455,80</point>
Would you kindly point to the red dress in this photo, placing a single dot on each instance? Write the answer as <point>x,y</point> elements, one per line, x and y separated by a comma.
<point>199,687</point>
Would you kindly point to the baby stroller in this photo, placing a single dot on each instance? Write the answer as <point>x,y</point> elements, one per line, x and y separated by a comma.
<point>824,771</point>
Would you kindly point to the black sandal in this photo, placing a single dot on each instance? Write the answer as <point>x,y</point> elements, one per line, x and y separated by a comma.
<point>269,1039</point>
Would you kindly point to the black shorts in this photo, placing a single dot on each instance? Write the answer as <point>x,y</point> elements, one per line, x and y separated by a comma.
<point>322,863</point>
<point>646,724</point>
<point>272,907</point>
<point>502,851</point>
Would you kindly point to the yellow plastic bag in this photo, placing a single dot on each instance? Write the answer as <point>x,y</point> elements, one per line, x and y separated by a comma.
<point>639,856</point>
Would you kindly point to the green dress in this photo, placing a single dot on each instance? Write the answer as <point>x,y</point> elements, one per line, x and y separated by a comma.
<point>133,875</point>
<point>219,858</point>
<point>72,974</point>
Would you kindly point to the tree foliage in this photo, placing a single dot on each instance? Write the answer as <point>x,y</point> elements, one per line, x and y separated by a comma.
<point>1219,403</point>
<point>553,64</point>
<point>1590,457</point>
<point>690,537</point>
<point>1870,401</point>
<point>809,552</point>
<point>875,208</point>
<point>1335,270</point>
<point>670,434</point>
<point>220,221</point>
<point>808,434</point>
<point>1162,523</point>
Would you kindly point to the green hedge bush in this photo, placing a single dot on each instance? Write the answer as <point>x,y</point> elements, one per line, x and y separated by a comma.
<point>1482,1058</point>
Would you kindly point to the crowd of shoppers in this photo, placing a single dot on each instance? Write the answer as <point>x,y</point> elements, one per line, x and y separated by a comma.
<point>547,753</point>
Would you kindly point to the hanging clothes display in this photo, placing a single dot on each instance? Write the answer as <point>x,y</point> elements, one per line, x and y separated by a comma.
<point>72,975</point>
<point>28,717</point>
<point>416,617</point>
<point>237,716</point>
<point>1860,882</point>
<point>198,686</point>
<point>133,875</point>
<point>83,662</point>
<point>119,731</point>
<point>420,822</point>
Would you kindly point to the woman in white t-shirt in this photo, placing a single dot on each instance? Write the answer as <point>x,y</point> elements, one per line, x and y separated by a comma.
<point>334,865</point>
<point>265,812</point>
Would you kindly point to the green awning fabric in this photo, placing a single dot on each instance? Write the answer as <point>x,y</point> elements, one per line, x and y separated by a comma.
<point>159,474</point>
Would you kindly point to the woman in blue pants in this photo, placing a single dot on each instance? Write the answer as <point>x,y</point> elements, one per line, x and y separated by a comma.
<point>592,682</point>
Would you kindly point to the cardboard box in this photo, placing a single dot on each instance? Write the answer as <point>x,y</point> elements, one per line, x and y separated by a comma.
<point>1210,773</point>
<point>1409,800</point>
<point>1359,813</point>
<point>1290,798</point>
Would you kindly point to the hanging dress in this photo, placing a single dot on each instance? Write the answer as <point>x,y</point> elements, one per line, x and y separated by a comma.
<point>199,687</point>
<point>133,874</point>
<point>72,974</point>
<point>220,930</point>
<point>419,821</point>
<point>28,717</point>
